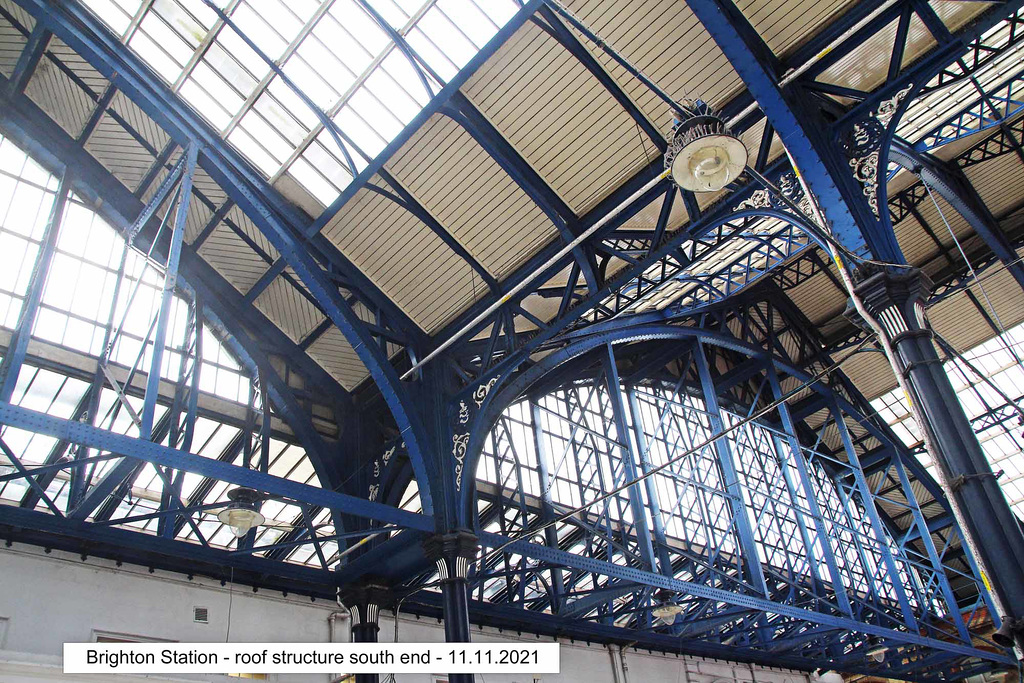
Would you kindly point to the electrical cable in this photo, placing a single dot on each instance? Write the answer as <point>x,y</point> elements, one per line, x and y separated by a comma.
<point>655,470</point>
<point>822,231</point>
<point>970,268</point>
<point>231,596</point>
<point>579,25</point>
<point>926,433</point>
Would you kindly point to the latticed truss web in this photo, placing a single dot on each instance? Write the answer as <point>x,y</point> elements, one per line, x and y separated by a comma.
<point>341,54</point>
<point>74,312</point>
<point>553,453</point>
<point>997,422</point>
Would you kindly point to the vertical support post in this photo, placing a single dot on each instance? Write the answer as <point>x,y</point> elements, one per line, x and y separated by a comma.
<point>547,507</point>
<point>664,561</point>
<point>186,397</point>
<point>167,299</point>
<point>896,300</point>
<point>748,544</point>
<point>452,553</point>
<point>15,356</point>
<point>871,511</point>
<point>797,454</point>
<point>628,454</point>
<point>365,603</point>
<point>256,447</point>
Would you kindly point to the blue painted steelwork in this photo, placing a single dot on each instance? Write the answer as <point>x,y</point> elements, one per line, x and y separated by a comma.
<point>820,167</point>
<point>978,115</point>
<point>80,29</point>
<point>777,623</point>
<point>11,364</point>
<point>819,644</point>
<point>77,432</point>
<point>950,183</point>
<point>29,58</point>
<point>167,296</point>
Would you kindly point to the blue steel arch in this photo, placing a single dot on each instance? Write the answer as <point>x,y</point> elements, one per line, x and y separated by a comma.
<point>500,371</point>
<point>84,32</point>
<point>499,400</point>
<point>892,563</point>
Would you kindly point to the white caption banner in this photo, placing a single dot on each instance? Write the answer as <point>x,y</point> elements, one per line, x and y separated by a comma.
<point>222,658</point>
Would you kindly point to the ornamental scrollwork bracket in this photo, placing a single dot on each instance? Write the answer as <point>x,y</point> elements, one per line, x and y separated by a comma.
<point>463,416</point>
<point>862,144</point>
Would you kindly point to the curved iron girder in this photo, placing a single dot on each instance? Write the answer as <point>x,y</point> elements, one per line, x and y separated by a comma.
<point>54,149</point>
<point>555,556</point>
<point>433,107</point>
<point>978,115</point>
<point>344,142</point>
<point>247,351</point>
<point>833,573</point>
<point>947,51</point>
<point>118,205</point>
<point>83,32</point>
<point>713,231</point>
<point>497,401</point>
<point>818,163</point>
<point>296,418</point>
<point>950,183</point>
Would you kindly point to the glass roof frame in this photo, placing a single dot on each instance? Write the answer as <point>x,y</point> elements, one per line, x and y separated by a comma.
<point>242,93</point>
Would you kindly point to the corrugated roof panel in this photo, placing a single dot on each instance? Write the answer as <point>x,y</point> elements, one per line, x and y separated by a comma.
<point>119,152</point>
<point>210,189</point>
<point>1000,182</point>
<point>789,23</point>
<point>917,246</point>
<point>865,67</point>
<point>333,352</point>
<point>649,34</point>
<point>85,71</point>
<point>468,193</point>
<point>925,112</point>
<point>647,217</point>
<point>818,297</point>
<point>242,221</point>
<point>958,320</point>
<point>553,111</point>
<point>289,309</point>
<point>139,121</point>
<point>403,257</point>
<point>12,39</point>
<point>60,97</point>
<point>232,258</point>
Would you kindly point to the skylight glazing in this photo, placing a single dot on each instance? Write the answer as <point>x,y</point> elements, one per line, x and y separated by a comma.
<point>367,66</point>
<point>564,446</point>
<point>74,312</point>
<point>997,424</point>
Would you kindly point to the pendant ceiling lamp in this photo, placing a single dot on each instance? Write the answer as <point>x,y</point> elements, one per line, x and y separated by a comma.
<point>242,514</point>
<point>703,155</point>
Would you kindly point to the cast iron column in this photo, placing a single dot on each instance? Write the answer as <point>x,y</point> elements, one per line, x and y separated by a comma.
<point>896,299</point>
<point>453,553</point>
<point>365,602</point>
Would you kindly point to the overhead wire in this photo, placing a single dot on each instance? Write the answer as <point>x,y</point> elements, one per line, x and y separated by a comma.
<point>789,76</point>
<point>970,268</point>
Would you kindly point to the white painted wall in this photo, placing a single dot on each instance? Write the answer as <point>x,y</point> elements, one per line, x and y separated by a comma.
<point>49,599</point>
